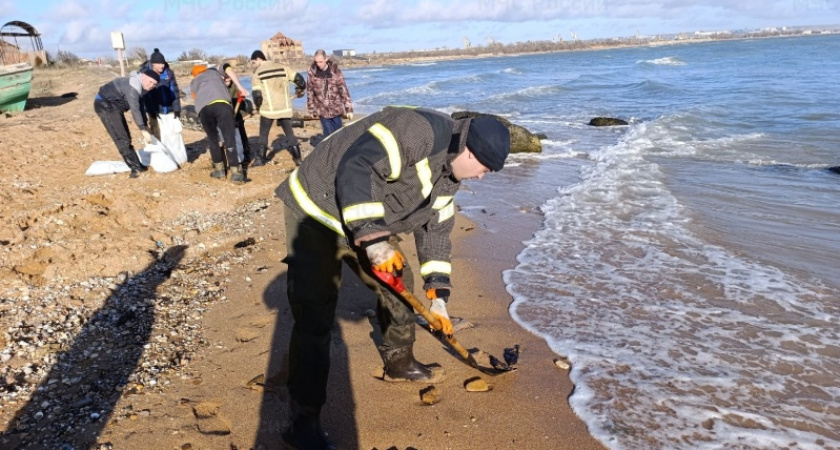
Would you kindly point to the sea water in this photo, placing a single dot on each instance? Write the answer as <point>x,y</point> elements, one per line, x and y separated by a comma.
<point>687,263</point>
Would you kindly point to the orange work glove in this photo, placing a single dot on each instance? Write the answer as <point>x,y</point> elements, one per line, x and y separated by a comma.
<point>438,309</point>
<point>384,257</point>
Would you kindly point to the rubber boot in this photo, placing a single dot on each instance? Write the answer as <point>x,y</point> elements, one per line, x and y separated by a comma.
<point>259,159</point>
<point>305,432</point>
<point>133,162</point>
<point>295,151</point>
<point>218,170</point>
<point>237,175</point>
<point>246,154</point>
<point>135,172</point>
<point>400,365</point>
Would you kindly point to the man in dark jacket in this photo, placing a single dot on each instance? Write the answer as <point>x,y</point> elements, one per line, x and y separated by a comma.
<point>395,171</point>
<point>166,97</point>
<point>113,100</point>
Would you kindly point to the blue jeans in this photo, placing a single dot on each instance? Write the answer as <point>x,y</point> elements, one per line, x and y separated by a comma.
<point>330,125</point>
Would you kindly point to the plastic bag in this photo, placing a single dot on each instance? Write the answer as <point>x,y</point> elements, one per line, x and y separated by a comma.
<point>158,157</point>
<point>170,136</point>
<point>106,168</point>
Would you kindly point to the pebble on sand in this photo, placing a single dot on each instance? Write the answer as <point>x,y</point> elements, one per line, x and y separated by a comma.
<point>476,384</point>
<point>429,395</point>
<point>562,364</point>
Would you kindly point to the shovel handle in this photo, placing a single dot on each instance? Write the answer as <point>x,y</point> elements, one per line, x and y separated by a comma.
<point>397,284</point>
<point>239,98</point>
<point>435,324</point>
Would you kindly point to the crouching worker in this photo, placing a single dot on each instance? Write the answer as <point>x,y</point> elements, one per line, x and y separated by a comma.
<point>212,103</point>
<point>395,171</point>
<point>113,100</point>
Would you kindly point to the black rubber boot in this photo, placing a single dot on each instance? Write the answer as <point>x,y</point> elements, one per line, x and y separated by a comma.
<point>295,151</point>
<point>135,172</point>
<point>218,170</point>
<point>305,432</point>
<point>246,155</point>
<point>400,365</point>
<point>133,162</point>
<point>259,159</point>
<point>237,175</point>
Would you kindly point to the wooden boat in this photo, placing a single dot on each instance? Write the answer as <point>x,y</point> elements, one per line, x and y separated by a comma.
<point>16,62</point>
<point>15,81</point>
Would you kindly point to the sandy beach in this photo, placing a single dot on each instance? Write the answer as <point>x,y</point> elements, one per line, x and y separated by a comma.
<point>151,313</point>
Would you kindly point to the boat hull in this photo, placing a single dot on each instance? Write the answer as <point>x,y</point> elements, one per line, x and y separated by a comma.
<point>15,82</point>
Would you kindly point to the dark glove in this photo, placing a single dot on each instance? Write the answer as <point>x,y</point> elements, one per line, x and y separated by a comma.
<point>258,99</point>
<point>300,83</point>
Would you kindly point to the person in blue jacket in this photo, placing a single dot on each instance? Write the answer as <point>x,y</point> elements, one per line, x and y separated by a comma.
<point>166,97</point>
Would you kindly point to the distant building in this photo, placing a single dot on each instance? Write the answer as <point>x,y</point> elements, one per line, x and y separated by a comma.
<point>280,48</point>
<point>344,52</point>
<point>708,34</point>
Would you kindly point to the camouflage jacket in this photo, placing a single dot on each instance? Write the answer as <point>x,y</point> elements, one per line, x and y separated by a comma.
<point>326,91</point>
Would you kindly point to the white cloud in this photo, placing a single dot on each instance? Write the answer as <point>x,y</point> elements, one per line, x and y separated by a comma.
<point>68,11</point>
<point>9,11</point>
<point>234,27</point>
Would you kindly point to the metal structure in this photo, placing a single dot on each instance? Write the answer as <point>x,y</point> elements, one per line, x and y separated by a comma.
<point>13,36</point>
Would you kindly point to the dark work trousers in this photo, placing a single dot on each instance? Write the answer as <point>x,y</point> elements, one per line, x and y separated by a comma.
<point>330,125</point>
<point>240,126</point>
<point>265,127</point>
<point>114,120</point>
<point>314,257</point>
<point>220,115</point>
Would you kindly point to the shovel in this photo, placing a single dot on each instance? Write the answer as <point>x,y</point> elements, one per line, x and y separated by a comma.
<point>494,366</point>
<point>239,98</point>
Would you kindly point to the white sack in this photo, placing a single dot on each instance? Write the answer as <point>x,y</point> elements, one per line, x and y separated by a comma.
<point>107,168</point>
<point>170,136</point>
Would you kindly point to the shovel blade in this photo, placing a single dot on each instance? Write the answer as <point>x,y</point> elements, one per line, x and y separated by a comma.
<point>487,363</point>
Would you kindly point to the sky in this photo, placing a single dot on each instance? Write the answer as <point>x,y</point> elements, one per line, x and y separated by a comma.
<point>236,27</point>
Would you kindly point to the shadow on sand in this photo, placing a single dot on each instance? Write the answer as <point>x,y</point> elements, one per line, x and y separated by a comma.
<point>338,415</point>
<point>52,101</point>
<point>75,401</point>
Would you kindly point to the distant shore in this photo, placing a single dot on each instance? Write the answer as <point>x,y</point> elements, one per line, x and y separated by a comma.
<point>499,50</point>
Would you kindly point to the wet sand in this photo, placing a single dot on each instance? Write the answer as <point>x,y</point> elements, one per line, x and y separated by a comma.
<point>62,228</point>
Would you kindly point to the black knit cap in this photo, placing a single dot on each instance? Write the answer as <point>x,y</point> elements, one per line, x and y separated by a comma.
<point>258,54</point>
<point>489,140</point>
<point>151,73</point>
<point>157,57</point>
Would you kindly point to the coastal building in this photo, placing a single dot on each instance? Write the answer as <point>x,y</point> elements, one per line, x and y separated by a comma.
<point>281,48</point>
<point>344,52</point>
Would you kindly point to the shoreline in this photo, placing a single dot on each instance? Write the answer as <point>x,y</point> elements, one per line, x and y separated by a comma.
<point>200,363</point>
<point>357,64</point>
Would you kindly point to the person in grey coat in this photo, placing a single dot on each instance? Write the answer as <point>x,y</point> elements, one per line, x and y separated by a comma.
<point>113,100</point>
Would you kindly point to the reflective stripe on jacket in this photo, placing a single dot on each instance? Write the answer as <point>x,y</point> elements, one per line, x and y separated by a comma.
<point>390,171</point>
<point>273,80</point>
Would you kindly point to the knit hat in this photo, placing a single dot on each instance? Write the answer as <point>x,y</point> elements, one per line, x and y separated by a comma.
<point>489,140</point>
<point>157,57</point>
<point>197,70</point>
<point>152,74</point>
<point>258,54</point>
